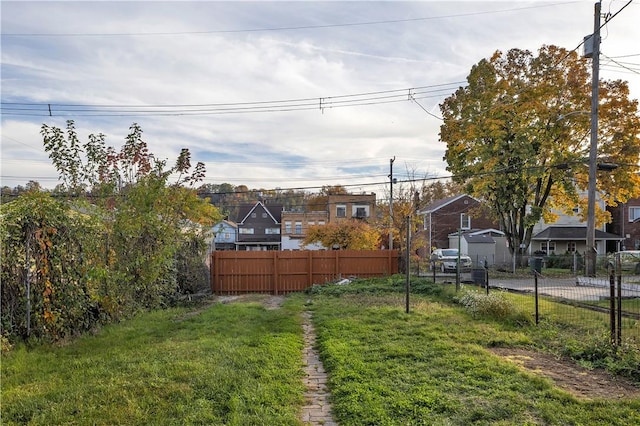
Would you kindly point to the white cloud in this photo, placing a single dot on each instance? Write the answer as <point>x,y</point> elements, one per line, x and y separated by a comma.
<point>199,55</point>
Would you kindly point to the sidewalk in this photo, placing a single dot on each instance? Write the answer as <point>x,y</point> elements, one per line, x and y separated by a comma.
<point>317,410</point>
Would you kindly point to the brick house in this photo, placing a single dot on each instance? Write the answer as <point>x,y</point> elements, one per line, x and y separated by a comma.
<point>351,206</point>
<point>446,216</point>
<point>625,222</point>
<point>295,225</point>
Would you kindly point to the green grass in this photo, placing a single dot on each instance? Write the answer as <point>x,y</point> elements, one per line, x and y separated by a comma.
<point>434,366</point>
<point>235,364</point>
<point>241,364</point>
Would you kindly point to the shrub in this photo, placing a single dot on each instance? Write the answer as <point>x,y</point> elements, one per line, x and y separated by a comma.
<point>494,305</point>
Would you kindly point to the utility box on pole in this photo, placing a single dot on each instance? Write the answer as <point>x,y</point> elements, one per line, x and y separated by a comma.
<point>587,46</point>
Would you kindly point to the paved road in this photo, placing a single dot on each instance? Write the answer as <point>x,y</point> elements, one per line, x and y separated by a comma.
<point>581,289</point>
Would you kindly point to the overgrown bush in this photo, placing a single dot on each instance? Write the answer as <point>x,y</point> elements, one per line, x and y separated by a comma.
<point>494,305</point>
<point>115,240</point>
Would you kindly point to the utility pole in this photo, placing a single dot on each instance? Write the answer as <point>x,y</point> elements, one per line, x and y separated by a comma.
<point>391,182</point>
<point>593,149</point>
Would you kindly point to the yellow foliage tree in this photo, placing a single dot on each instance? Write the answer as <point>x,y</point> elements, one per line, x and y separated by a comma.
<point>518,136</point>
<point>346,235</point>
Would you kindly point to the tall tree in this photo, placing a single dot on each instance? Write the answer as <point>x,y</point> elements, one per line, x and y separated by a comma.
<point>518,136</point>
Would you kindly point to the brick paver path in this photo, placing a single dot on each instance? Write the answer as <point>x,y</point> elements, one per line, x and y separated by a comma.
<point>317,410</point>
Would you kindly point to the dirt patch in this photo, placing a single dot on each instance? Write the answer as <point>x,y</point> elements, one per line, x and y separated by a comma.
<point>269,301</point>
<point>579,381</point>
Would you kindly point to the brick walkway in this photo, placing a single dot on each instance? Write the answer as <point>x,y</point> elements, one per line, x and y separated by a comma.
<point>317,410</point>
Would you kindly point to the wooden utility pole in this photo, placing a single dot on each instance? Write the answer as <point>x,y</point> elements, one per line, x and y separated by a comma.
<point>593,149</point>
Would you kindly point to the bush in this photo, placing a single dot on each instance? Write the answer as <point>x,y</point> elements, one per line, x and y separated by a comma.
<point>494,305</point>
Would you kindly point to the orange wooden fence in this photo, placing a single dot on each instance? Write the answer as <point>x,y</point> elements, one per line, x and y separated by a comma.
<point>279,272</point>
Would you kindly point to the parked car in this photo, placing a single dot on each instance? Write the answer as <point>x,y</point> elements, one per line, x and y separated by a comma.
<point>447,259</point>
<point>629,261</point>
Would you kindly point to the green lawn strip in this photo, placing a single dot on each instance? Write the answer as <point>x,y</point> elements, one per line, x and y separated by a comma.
<point>228,364</point>
<point>433,366</point>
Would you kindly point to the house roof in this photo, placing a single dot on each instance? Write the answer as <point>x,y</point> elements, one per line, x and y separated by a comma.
<point>437,205</point>
<point>489,231</point>
<point>572,233</point>
<point>479,238</point>
<point>229,223</point>
<point>275,212</point>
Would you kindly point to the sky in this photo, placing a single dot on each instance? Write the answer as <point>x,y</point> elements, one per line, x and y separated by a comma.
<point>290,95</point>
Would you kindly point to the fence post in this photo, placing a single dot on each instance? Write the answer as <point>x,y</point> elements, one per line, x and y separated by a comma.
<point>535,286</point>
<point>486,275</point>
<point>619,269</point>
<point>612,306</point>
<point>27,280</point>
<point>276,276</point>
<point>310,267</point>
<point>407,284</point>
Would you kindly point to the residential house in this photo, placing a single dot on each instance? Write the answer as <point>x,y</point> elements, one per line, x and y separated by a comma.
<point>224,235</point>
<point>568,234</point>
<point>351,206</point>
<point>625,222</point>
<point>448,215</point>
<point>259,227</point>
<point>295,225</point>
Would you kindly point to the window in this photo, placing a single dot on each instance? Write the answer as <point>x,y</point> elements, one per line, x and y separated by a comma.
<point>311,223</point>
<point>298,228</point>
<point>548,246</point>
<point>272,231</point>
<point>245,230</point>
<point>634,213</point>
<point>360,211</point>
<point>287,227</point>
<point>253,215</point>
<point>227,236</point>
<point>341,210</point>
<point>264,215</point>
<point>465,221</point>
<point>571,246</point>
<point>321,222</point>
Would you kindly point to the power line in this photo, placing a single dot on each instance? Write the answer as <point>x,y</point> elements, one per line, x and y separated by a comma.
<point>301,104</point>
<point>274,29</point>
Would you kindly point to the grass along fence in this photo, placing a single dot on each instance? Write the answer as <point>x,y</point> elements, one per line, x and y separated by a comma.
<point>281,272</point>
<point>240,363</point>
<point>614,307</point>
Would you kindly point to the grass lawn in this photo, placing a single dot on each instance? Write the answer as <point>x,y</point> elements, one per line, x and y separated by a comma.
<point>435,366</point>
<point>241,364</point>
<point>235,364</point>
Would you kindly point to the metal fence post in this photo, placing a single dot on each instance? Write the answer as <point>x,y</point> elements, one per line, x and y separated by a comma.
<point>612,306</point>
<point>619,296</point>
<point>535,286</point>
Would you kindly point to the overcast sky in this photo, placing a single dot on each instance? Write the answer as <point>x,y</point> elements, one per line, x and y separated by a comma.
<point>315,93</point>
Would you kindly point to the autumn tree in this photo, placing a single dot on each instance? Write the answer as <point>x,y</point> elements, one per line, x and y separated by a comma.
<point>517,137</point>
<point>350,234</point>
<point>148,217</point>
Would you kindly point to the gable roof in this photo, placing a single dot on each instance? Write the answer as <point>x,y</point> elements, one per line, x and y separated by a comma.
<point>437,205</point>
<point>572,233</point>
<point>276,215</point>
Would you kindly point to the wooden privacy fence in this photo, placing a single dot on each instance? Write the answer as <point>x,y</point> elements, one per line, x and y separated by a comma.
<point>277,272</point>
